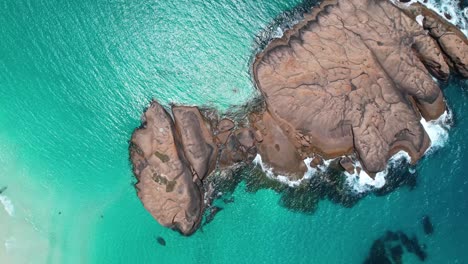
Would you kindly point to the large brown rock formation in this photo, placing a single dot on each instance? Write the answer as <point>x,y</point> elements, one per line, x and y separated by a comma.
<point>354,77</point>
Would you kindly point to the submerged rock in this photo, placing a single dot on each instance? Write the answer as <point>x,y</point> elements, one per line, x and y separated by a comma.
<point>390,248</point>
<point>378,254</point>
<point>397,254</point>
<point>228,200</point>
<point>427,225</point>
<point>161,241</point>
<point>212,211</point>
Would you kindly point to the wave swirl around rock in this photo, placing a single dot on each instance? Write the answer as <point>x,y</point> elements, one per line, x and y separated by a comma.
<point>354,77</point>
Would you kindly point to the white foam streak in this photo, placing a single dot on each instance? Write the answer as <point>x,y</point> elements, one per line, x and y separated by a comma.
<point>438,130</point>
<point>7,205</point>
<point>278,33</point>
<point>269,173</point>
<point>286,179</point>
<point>362,182</point>
<point>450,7</point>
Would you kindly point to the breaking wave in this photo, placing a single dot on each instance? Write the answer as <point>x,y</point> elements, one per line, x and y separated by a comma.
<point>286,179</point>
<point>438,130</point>
<point>360,181</point>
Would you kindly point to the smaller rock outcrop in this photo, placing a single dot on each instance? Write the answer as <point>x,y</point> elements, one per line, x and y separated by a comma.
<point>165,181</point>
<point>347,164</point>
<point>225,125</point>
<point>172,159</point>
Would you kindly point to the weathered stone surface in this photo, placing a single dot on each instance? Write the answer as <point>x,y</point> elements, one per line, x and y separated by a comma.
<point>197,139</point>
<point>276,149</point>
<point>165,182</point>
<point>222,137</point>
<point>258,136</point>
<point>246,137</point>
<point>347,165</point>
<point>225,125</point>
<point>240,147</point>
<point>316,161</point>
<point>352,77</point>
<point>451,40</point>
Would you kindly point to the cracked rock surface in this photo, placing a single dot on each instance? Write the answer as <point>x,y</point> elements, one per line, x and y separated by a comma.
<point>355,76</point>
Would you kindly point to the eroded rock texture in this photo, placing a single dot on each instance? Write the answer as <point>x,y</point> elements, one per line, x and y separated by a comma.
<point>172,157</point>
<point>355,76</point>
<point>165,181</point>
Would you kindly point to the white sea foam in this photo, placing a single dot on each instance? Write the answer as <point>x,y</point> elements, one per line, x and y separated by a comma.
<point>420,19</point>
<point>438,133</point>
<point>450,7</point>
<point>278,33</point>
<point>269,173</point>
<point>361,182</point>
<point>438,130</point>
<point>285,179</point>
<point>7,205</point>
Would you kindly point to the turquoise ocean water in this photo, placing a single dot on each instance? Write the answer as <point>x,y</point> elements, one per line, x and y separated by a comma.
<point>74,79</point>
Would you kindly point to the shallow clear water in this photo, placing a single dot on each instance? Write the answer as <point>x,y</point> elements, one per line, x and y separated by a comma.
<point>74,79</point>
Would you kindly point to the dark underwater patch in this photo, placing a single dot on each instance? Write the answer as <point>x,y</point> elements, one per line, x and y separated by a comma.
<point>329,184</point>
<point>427,225</point>
<point>210,213</point>
<point>161,241</point>
<point>391,247</point>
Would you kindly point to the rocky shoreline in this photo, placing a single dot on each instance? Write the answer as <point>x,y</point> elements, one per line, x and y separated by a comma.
<point>352,81</point>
